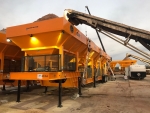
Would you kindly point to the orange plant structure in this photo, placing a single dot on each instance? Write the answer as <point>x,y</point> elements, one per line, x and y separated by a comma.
<point>56,50</point>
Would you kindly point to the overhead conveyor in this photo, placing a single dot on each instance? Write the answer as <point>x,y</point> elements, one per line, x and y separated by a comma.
<point>130,46</point>
<point>111,28</point>
<point>138,58</point>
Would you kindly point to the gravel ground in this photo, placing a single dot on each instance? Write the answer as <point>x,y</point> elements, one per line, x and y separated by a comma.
<point>118,96</point>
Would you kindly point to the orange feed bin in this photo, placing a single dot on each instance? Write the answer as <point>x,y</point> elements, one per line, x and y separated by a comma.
<point>10,60</point>
<point>55,50</point>
<point>122,64</point>
<point>57,54</point>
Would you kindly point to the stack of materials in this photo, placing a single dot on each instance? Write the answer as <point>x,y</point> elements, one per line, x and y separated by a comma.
<point>47,17</point>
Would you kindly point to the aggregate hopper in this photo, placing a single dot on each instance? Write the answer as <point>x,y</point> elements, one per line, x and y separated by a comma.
<point>10,61</point>
<point>54,49</point>
<point>123,64</point>
<point>51,48</point>
<point>96,66</point>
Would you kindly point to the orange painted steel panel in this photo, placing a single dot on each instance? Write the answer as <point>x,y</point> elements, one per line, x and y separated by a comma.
<point>35,28</point>
<point>3,39</point>
<point>99,78</point>
<point>123,62</point>
<point>48,37</point>
<point>45,31</point>
<point>71,81</point>
<point>4,76</point>
<point>89,80</point>
<point>41,52</point>
<point>9,49</point>
<point>40,75</point>
<point>1,76</point>
<point>12,83</point>
<point>42,27</point>
<point>95,47</point>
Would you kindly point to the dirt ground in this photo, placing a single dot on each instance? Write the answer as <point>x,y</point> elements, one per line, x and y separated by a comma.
<point>118,96</point>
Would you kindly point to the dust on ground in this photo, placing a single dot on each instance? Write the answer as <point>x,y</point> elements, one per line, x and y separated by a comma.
<point>118,96</point>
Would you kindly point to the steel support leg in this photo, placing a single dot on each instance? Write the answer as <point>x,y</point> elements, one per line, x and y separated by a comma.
<point>45,90</point>
<point>3,89</point>
<point>79,86</point>
<point>60,95</point>
<point>28,82</point>
<point>103,79</point>
<point>18,92</point>
<point>94,84</point>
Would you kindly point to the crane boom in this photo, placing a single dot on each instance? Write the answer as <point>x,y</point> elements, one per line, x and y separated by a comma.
<point>126,31</point>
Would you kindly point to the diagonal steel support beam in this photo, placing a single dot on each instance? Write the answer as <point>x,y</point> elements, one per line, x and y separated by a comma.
<point>127,40</point>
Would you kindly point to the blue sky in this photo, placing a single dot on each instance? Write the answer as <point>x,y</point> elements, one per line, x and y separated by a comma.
<point>131,12</point>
